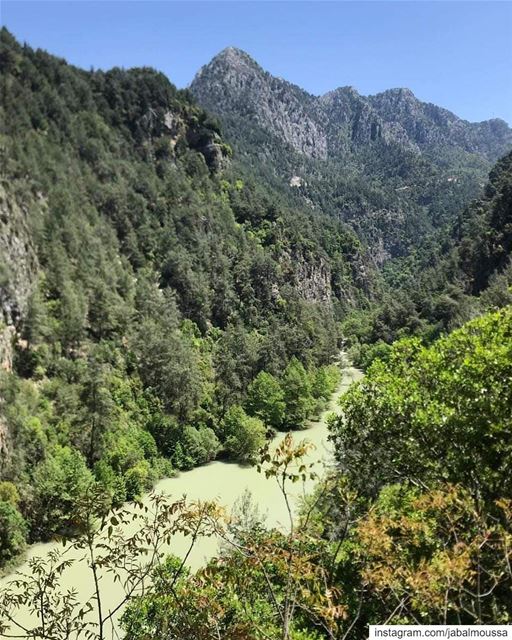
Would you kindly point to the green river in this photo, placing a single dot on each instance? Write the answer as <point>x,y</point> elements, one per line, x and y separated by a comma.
<point>221,481</point>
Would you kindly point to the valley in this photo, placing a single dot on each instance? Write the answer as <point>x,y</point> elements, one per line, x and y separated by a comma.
<point>223,482</point>
<point>180,270</point>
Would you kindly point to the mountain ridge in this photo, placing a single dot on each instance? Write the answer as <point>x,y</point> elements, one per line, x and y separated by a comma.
<point>396,169</point>
<point>237,70</point>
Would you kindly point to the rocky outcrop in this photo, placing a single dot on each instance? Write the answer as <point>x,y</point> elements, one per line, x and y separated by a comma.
<point>310,275</point>
<point>18,269</point>
<point>4,442</point>
<point>234,82</point>
<point>210,146</point>
<point>313,280</point>
<point>234,85</point>
<point>198,137</point>
<point>429,126</point>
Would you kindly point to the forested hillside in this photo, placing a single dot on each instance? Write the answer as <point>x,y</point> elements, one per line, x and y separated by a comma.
<point>176,288</point>
<point>394,168</point>
<point>444,283</point>
<point>414,527</point>
<point>146,288</point>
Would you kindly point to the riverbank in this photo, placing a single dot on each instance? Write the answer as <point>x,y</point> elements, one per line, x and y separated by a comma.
<point>224,482</point>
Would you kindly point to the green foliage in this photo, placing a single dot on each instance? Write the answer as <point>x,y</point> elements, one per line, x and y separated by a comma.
<point>296,387</point>
<point>60,481</point>
<point>243,435</point>
<point>265,399</point>
<point>201,445</point>
<point>13,532</point>
<point>324,381</point>
<point>431,414</point>
<point>9,493</point>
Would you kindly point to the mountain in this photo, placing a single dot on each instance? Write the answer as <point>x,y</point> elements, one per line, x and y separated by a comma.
<point>145,284</point>
<point>233,86</point>
<point>175,289</point>
<point>160,289</point>
<point>395,168</point>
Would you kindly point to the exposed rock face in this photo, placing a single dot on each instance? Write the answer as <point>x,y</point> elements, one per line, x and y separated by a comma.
<point>428,125</point>
<point>233,84</point>
<point>312,278</point>
<point>18,269</point>
<point>353,121</point>
<point>210,147</point>
<point>7,337</point>
<point>4,442</point>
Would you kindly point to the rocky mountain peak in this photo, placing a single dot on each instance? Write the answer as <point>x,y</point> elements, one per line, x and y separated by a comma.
<point>399,93</point>
<point>232,57</point>
<point>234,86</point>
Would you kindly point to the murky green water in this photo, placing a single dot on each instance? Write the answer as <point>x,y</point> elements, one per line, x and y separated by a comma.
<point>221,481</point>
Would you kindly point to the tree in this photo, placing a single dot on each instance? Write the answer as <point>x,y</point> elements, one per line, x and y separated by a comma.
<point>9,493</point>
<point>297,394</point>
<point>265,399</point>
<point>243,435</point>
<point>324,381</point>
<point>13,532</point>
<point>72,313</point>
<point>434,414</point>
<point>202,445</point>
<point>60,481</point>
<point>169,365</point>
<point>99,411</point>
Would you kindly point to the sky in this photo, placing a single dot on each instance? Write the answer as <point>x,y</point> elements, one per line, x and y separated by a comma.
<point>455,54</point>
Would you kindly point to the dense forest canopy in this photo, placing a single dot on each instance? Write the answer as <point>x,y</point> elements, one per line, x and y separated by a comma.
<point>413,527</point>
<point>146,288</point>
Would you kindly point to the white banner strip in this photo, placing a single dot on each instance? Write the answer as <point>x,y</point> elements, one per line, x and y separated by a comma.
<point>440,631</point>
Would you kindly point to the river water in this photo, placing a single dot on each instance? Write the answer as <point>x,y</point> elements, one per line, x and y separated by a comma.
<point>221,481</point>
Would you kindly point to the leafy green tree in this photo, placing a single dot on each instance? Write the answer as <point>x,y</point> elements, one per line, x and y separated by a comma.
<point>243,435</point>
<point>202,445</point>
<point>433,414</point>
<point>72,315</point>
<point>99,411</point>
<point>138,479</point>
<point>59,482</point>
<point>9,493</point>
<point>324,381</point>
<point>13,532</point>
<point>297,395</point>
<point>265,399</point>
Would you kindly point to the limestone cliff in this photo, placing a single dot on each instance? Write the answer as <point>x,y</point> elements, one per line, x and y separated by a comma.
<point>18,269</point>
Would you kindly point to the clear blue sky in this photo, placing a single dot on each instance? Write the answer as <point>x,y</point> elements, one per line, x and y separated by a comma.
<point>455,54</point>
